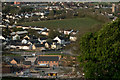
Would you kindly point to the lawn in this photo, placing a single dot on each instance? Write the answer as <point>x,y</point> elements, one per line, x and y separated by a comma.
<point>76,23</point>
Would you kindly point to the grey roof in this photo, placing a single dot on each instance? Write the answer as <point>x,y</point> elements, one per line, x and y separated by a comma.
<point>48,58</point>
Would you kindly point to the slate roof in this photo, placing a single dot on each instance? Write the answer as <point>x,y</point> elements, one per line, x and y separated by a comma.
<point>48,58</point>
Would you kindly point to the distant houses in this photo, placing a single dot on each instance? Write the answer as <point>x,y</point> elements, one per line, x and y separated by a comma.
<point>48,60</point>
<point>28,61</point>
<point>23,40</point>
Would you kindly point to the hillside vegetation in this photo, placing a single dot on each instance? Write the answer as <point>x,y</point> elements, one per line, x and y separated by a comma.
<point>100,52</point>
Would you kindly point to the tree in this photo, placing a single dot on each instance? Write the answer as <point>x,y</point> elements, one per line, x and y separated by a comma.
<point>10,9</point>
<point>17,29</point>
<point>53,34</point>
<point>33,32</point>
<point>51,13</point>
<point>100,52</point>
<point>25,9</point>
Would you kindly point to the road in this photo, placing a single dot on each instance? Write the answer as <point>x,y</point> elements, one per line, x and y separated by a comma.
<point>42,53</point>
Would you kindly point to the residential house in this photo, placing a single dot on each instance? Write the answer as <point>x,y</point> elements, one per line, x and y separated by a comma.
<point>30,40</point>
<point>13,44</point>
<point>16,37</point>
<point>73,38</point>
<point>16,61</point>
<point>47,45</point>
<point>34,42</point>
<point>24,41</point>
<point>46,33</point>
<point>42,39</point>
<point>27,37</point>
<point>74,32</point>
<point>67,32</point>
<point>24,46</point>
<point>60,40</point>
<point>38,47</point>
<point>2,38</point>
<point>55,45</point>
<point>16,44</point>
<point>50,60</point>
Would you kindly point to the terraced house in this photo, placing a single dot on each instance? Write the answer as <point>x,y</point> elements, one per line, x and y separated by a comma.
<point>48,60</point>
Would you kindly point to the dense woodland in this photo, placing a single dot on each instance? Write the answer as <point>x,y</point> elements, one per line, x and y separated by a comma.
<point>99,52</point>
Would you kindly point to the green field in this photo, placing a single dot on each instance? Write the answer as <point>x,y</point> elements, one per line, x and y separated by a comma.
<point>76,23</point>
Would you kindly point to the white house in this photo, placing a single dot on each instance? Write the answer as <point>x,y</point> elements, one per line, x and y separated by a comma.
<point>60,40</point>
<point>24,41</point>
<point>16,37</point>
<point>1,37</point>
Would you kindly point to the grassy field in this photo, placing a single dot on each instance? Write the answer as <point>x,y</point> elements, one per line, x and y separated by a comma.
<point>76,23</point>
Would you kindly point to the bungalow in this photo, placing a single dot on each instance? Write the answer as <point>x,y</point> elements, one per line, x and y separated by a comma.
<point>50,60</point>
